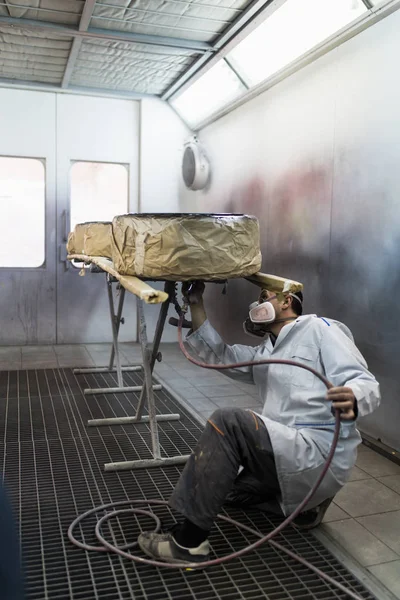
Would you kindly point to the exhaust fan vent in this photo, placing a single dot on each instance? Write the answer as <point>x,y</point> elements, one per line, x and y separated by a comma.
<point>195,166</point>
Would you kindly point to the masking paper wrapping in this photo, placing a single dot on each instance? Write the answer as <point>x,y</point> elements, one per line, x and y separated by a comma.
<point>186,246</point>
<point>76,240</point>
<point>97,239</point>
<point>136,286</point>
<point>276,284</point>
<point>91,239</point>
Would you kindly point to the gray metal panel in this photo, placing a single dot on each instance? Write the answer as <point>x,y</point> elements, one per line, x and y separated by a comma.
<point>32,56</point>
<point>76,90</point>
<point>76,45</point>
<point>71,31</point>
<point>70,66</point>
<point>176,24</point>
<point>28,305</point>
<point>56,11</point>
<point>28,296</point>
<point>86,15</point>
<point>121,66</point>
<point>203,21</point>
<point>108,132</point>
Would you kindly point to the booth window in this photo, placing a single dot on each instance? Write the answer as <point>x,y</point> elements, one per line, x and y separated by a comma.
<point>98,191</point>
<point>291,31</point>
<point>213,90</point>
<point>22,212</point>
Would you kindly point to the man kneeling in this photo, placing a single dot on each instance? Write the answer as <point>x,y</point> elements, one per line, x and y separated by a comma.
<point>275,457</point>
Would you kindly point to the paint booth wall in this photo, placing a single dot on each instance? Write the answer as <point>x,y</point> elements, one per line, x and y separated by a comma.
<point>316,159</point>
<point>50,303</point>
<point>162,142</point>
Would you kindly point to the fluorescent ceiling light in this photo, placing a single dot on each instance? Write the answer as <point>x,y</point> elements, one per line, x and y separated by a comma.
<point>211,92</point>
<point>291,31</point>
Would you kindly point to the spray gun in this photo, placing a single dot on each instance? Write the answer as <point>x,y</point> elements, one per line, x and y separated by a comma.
<point>190,297</point>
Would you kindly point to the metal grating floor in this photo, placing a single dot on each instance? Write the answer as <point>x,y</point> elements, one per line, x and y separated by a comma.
<point>53,466</point>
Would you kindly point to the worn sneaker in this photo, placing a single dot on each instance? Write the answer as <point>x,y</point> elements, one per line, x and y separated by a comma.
<point>313,517</point>
<point>162,546</point>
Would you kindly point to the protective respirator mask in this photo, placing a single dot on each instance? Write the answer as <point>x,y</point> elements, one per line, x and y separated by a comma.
<point>259,316</point>
<point>263,313</point>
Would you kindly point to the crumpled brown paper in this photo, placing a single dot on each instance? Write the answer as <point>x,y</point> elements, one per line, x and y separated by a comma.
<point>91,239</point>
<point>75,240</point>
<point>276,284</point>
<point>97,239</point>
<point>186,247</point>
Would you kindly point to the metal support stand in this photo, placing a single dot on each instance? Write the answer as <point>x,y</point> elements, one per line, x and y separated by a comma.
<point>116,320</point>
<point>117,390</point>
<point>149,359</point>
<point>106,370</point>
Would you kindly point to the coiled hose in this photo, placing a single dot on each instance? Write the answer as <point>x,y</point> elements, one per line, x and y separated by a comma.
<point>121,551</point>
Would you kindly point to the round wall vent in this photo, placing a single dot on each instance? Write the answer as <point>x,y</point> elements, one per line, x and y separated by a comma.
<point>195,166</point>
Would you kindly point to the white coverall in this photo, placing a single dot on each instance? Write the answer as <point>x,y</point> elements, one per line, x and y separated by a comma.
<point>296,413</point>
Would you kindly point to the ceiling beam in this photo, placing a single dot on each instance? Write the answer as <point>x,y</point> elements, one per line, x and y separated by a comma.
<point>86,16</point>
<point>79,90</point>
<point>106,34</point>
<point>247,15</point>
<point>188,74</point>
<point>235,30</point>
<point>72,58</point>
<point>84,23</point>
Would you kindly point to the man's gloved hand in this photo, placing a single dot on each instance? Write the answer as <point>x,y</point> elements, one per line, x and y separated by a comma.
<point>344,399</point>
<point>193,291</point>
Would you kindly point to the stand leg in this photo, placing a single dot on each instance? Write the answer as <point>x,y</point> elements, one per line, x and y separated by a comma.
<point>145,464</point>
<point>114,333</point>
<point>148,383</point>
<point>107,370</point>
<point>118,390</point>
<point>115,325</point>
<point>118,323</point>
<point>110,368</point>
<point>130,420</point>
<point>147,391</point>
<point>168,287</point>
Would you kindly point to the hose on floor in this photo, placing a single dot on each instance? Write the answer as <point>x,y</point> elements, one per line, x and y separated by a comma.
<point>262,539</point>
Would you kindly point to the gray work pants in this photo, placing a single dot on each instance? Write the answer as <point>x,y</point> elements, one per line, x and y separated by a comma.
<point>233,437</point>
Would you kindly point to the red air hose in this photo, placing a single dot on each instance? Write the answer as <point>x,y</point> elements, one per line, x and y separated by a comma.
<point>262,538</point>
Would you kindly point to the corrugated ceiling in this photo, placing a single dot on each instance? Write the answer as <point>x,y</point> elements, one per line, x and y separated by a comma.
<point>128,67</point>
<point>189,20</point>
<point>55,11</point>
<point>76,43</point>
<point>33,56</point>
